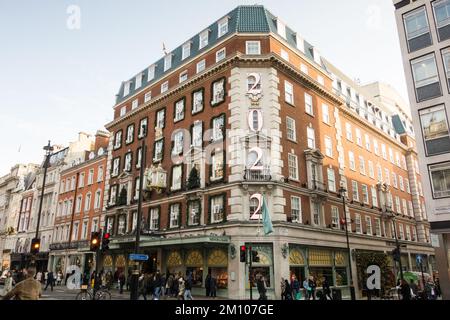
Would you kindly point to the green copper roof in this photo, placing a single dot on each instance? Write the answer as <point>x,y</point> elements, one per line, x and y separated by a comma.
<point>243,19</point>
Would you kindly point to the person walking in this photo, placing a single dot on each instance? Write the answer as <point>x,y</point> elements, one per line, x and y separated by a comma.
<point>312,287</point>
<point>260,284</point>
<point>50,280</point>
<point>58,278</point>
<point>28,289</point>
<point>430,290</point>
<point>326,289</point>
<point>295,287</point>
<point>39,276</point>
<point>307,289</point>
<point>156,285</point>
<point>188,288</point>
<point>163,285</point>
<point>181,287</point>
<point>128,279</point>
<point>414,289</point>
<point>208,284</point>
<point>405,290</point>
<point>213,287</point>
<point>9,283</point>
<point>287,290</point>
<point>121,279</point>
<point>169,285</point>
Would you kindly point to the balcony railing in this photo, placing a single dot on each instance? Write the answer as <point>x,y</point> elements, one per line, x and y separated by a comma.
<point>257,175</point>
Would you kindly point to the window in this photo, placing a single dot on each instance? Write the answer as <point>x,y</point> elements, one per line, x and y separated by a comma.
<point>253,47</point>
<point>290,127</point>
<point>167,62</point>
<point>177,175</point>
<point>365,192</point>
<point>75,231</point>
<point>367,140</point>
<point>362,165</point>
<point>293,166</point>
<point>158,150</point>
<point>151,73</point>
<point>175,215</point>
<point>154,219</point>
<point>288,93</point>
<point>442,14</point>
<point>335,217</point>
<point>374,197</point>
<point>414,234</point>
<point>351,160</point>
<point>321,80</point>
<point>371,171</point>
<point>435,130</point>
<point>165,87</point>
<point>407,186</point>
<point>383,151</point>
<point>194,212</point>
<point>417,29</point>
<point>397,160</point>
<point>296,210</point>
<point>126,88</point>
<point>348,130</point>
<point>113,195</point>
<point>446,58</point>
<point>419,186</point>
<point>402,231</point>
<point>375,147</point>
<point>400,181</point>
<point>220,55</point>
<point>325,113</point>
<point>68,185</point>
<point>118,139</point>
<point>91,177</point>
<point>123,110</point>
<point>183,76</point>
<point>328,147</point>
<point>391,155</point>
<point>197,101</point>
<point>81,181</point>
<point>87,202</point>
<point>217,209</point>
<point>223,27</point>
<point>147,96</point>
<point>355,190</point>
<point>316,211</point>
<point>217,166</point>
<point>201,65</point>
<point>369,225</point>
<point>203,39</point>
<point>440,180</point>
<point>377,227</point>
<point>405,207</point>
<point>128,161</point>
<point>331,180</point>
<point>358,223</point>
<point>311,138</point>
<point>178,143</point>
<point>285,55</point>
<point>179,110</point>
<point>218,92</point>
<point>426,78</point>
<point>130,134</point>
<point>398,208</point>
<point>134,104</point>
<point>97,199</point>
<point>197,134</point>
<point>309,104</point>
<point>218,125</point>
<point>161,119</point>
<point>358,137</point>
<point>143,128</point>
<point>100,174</point>
<point>387,177</point>
<point>186,50</point>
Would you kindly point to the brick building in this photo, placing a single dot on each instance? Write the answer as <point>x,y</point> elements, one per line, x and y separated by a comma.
<point>248,114</point>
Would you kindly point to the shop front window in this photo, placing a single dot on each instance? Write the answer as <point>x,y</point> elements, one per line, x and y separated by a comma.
<point>221,275</point>
<point>197,275</point>
<point>319,273</point>
<point>257,272</point>
<point>341,277</point>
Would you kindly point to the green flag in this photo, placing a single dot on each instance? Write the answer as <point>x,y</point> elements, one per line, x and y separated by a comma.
<point>267,220</point>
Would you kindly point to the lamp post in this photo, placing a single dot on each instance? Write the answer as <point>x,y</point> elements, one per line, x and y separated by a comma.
<point>48,149</point>
<point>342,192</point>
<point>134,284</point>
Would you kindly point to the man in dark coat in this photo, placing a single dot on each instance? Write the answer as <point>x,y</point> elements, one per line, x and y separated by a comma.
<point>121,281</point>
<point>50,280</point>
<point>261,288</point>
<point>208,284</point>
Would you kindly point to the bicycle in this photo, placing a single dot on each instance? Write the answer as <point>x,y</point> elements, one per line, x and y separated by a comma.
<point>87,293</point>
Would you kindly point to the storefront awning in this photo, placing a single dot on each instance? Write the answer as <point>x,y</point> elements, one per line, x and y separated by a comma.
<point>161,242</point>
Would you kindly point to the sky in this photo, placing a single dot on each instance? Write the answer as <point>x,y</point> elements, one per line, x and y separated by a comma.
<point>62,62</point>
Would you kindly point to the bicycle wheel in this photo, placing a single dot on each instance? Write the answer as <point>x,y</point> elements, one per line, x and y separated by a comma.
<point>102,295</point>
<point>84,295</point>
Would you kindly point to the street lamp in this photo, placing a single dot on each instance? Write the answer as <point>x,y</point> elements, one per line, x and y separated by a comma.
<point>48,149</point>
<point>342,192</point>
<point>134,283</point>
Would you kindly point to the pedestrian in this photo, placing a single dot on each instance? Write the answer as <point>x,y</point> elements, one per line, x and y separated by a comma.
<point>260,284</point>
<point>142,286</point>
<point>405,290</point>
<point>312,287</point>
<point>326,289</point>
<point>438,287</point>
<point>169,285</point>
<point>287,290</point>
<point>128,279</point>
<point>307,289</point>
<point>45,276</point>
<point>176,285</point>
<point>121,281</point>
<point>58,278</point>
<point>295,287</point>
<point>208,284</point>
<point>213,287</point>
<point>156,285</point>
<point>163,285</point>
<point>414,289</point>
<point>430,290</point>
<point>39,276</point>
<point>188,287</point>
<point>9,282</point>
<point>50,281</point>
<point>181,287</point>
<point>28,289</point>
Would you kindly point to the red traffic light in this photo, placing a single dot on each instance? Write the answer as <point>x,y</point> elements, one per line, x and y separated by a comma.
<point>243,248</point>
<point>107,236</point>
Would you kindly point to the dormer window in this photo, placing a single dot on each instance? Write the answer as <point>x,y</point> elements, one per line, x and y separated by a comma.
<point>186,50</point>
<point>151,72</point>
<point>126,88</point>
<point>203,39</point>
<point>281,28</point>
<point>167,62</point>
<point>223,27</point>
<point>138,82</point>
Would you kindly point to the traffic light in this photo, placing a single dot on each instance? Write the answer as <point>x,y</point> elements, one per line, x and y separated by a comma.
<point>243,254</point>
<point>255,257</point>
<point>95,241</point>
<point>396,254</point>
<point>105,241</point>
<point>35,245</point>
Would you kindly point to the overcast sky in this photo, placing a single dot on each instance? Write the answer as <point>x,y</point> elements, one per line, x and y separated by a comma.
<point>57,80</point>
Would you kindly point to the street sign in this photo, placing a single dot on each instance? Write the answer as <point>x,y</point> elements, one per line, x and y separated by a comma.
<point>419,259</point>
<point>138,257</point>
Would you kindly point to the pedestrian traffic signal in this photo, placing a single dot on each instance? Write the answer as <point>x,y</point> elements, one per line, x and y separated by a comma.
<point>396,254</point>
<point>105,241</point>
<point>255,257</point>
<point>95,241</point>
<point>35,245</point>
<point>243,254</point>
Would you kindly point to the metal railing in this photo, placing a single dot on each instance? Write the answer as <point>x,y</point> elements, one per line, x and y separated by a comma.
<point>257,175</point>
